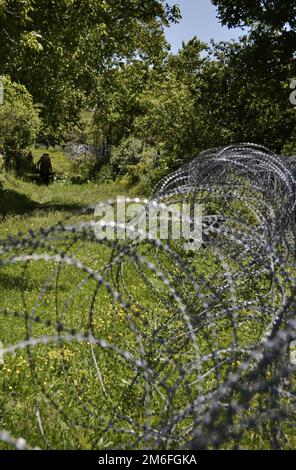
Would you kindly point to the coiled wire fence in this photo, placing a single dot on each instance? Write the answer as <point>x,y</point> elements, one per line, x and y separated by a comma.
<point>137,343</point>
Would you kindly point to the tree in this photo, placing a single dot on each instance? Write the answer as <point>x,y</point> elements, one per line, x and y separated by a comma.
<point>167,109</point>
<point>272,26</point>
<point>153,103</point>
<point>59,48</point>
<point>236,104</point>
<point>19,118</point>
<point>275,14</point>
<point>250,85</point>
<point>117,100</point>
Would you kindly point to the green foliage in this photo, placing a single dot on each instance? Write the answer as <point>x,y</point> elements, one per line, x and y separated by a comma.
<point>102,74</point>
<point>105,174</point>
<point>1,163</point>
<point>139,163</point>
<point>117,100</point>
<point>155,105</point>
<point>85,165</point>
<point>58,49</point>
<point>110,59</point>
<point>271,35</point>
<point>238,104</point>
<point>275,14</point>
<point>126,155</point>
<point>167,114</point>
<point>134,161</point>
<point>19,118</point>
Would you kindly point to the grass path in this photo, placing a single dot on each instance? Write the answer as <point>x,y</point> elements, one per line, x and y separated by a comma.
<point>26,204</point>
<point>60,378</point>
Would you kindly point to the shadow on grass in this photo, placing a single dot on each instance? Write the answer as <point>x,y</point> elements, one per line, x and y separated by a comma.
<point>15,203</point>
<point>12,202</point>
<point>12,281</point>
<point>73,207</point>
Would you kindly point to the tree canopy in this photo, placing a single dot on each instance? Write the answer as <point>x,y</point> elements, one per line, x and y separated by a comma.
<point>19,118</point>
<point>58,49</point>
<point>103,72</point>
<point>275,14</point>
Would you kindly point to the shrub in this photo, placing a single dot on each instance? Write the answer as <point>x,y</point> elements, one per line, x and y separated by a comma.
<point>139,164</point>
<point>19,119</point>
<point>105,175</point>
<point>128,154</point>
<point>85,165</point>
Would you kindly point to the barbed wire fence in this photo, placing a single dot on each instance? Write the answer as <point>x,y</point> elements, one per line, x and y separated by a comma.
<point>137,343</point>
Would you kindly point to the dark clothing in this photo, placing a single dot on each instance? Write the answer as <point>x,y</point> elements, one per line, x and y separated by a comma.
<point>45,169</point>
<point>44,178</point>
<point>30,158</point>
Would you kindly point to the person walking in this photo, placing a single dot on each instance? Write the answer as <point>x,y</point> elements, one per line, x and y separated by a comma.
<point>45,168</point>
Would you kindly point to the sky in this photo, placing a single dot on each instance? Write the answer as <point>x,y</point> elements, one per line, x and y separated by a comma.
<point>199,19</point>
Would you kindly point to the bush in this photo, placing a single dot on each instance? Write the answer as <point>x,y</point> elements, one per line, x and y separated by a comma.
<point>85,165</point>
<point>139,164</point>
<point>128,154</point>
<point>19,119</point>
<point>105,175</point>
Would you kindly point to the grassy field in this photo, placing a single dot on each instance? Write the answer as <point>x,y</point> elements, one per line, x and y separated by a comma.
<point>70,394</point>
<point>62,378</point>
<point>28,206</point>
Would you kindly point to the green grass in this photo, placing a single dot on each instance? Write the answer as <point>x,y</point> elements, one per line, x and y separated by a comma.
<point>61,164</point>
<point>75,404</point>
<point>31,203</point>
<point>27,205</point>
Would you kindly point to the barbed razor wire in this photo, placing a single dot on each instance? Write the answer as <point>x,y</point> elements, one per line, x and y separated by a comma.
<point>138,343</point>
